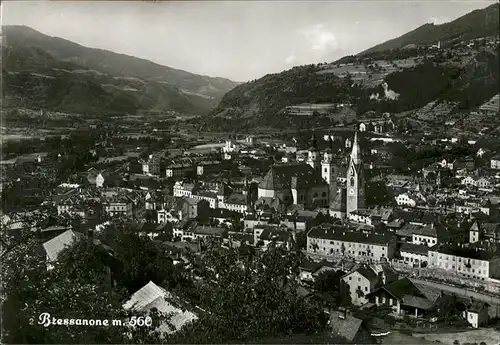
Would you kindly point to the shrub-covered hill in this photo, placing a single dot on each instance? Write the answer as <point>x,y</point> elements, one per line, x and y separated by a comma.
<point>469,83</point>
<point>270,94</point>
<point>32,78</point>
<point>115,64</point>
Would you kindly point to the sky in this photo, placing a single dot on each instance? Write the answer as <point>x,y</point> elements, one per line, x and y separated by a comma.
<point>239,40</point>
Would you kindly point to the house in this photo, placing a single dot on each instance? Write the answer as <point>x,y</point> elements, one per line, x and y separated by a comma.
<point>194,231</point>
<point>403,297</point>
<point>208,196</point>
<point>170,216</point>
<point>237,202</point>
<point>208,167</point>
<point>266,234</point>
<point>362,281</point>
<point>54,246</point>
<point>476,314</point>
<point>307,268</point>
<point>152,165</point>
<point>184,189</point>
<point>408,199</point>
<point>414,255</point>
<point>365,279</point>
<point>119,205</point>
<point>152,296</point>
<point>179,170</point>
<point>335,240</point>
<point>495,162</point>
<point>349,327</point>
<point>96,178</point>
<point>191,208</point>
<point>470,262</point>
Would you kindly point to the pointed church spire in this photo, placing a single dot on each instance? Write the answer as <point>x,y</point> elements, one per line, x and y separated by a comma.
<point>356,153</point>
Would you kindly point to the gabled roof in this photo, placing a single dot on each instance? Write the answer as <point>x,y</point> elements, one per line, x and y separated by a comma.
<point>346,327</point>
<point>152,296</point>
<point>54,246</point>
<point>280,177</point>
<point>400,288</point>
<point>476,306</point>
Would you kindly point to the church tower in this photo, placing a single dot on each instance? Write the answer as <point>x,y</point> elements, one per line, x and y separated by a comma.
<point>313,158</point>
<point>327,165</point>
<point>355,182</point>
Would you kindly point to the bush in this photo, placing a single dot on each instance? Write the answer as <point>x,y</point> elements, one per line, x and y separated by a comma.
<point>456,342</point>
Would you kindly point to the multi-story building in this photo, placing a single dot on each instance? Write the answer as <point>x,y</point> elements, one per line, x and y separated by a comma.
<point>365,279</point>
<point>414,255</point>
<point>237,202</point>
<point>266,234</point>
<point>208,167</point>
<point>119,205</point>
<point>151,165</point>
<point>334,240</point>
<point>179,170</point>
<point>465,261</point>
<point>184,189</point>
<point>208,196</point>
<point>495,162</point>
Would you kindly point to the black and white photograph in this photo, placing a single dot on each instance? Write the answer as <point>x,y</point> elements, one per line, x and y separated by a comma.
<point>250,172</point>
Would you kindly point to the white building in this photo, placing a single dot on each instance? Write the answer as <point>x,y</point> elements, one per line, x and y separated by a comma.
<point>467,262</point>
<point>333,240</point>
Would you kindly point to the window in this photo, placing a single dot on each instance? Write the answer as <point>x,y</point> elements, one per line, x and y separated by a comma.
<point>366,288</point>
<point>325,170</point>
<point>352,181</point>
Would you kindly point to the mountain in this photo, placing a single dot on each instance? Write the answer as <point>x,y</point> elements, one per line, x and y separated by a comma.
<point>461,76</point>
<point>48,72</point>
<point>478,23</point>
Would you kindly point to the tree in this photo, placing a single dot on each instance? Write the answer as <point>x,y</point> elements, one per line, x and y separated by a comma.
<point>89,281</point>
<point>251,297</point>
<point>330,282</point>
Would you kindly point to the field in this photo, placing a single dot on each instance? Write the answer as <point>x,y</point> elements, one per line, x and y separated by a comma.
<point>368,76</point>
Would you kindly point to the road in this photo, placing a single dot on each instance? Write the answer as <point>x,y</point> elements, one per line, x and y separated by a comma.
<point>492,300</point>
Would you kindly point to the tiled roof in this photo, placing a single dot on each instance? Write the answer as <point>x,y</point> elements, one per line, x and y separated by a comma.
<point>414,248</point>
<point>346,327</point>
<point>237,199</point>
<point>417,302</point>
<point>367,272</point>
<point>401,288</point>
<point>208,230</point>
<point>280,177</point>
<point>469,253</point>
<point>275,235</point>
<point>476,306</point>
<point>340,233</point>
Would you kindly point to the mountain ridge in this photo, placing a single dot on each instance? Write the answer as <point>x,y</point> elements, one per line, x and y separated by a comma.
<point>35,66</point>
<point>478,23</point>
<point>464,74</point>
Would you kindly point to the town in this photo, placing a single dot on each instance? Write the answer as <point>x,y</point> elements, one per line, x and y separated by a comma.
<point>382,228</point>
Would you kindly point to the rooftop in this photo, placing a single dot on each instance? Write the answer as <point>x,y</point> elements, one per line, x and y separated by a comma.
<point>465,252</point>
<point>340,233</point>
